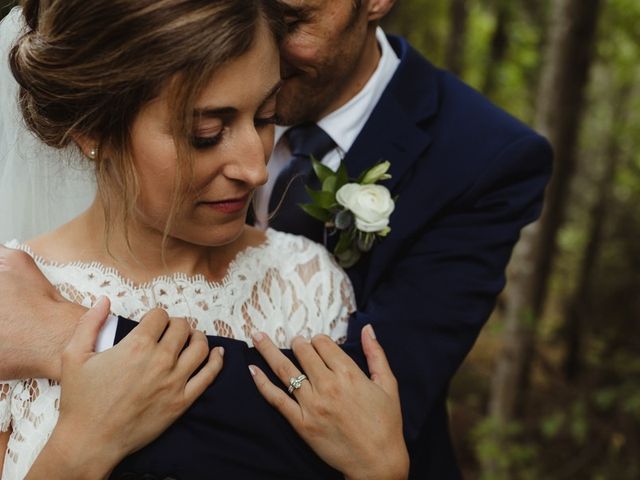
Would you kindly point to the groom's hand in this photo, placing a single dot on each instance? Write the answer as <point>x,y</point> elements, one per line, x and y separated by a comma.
<point>35,321</point>
<point>115,402</point>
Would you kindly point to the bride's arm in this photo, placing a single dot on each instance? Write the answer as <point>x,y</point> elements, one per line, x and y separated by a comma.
<point>351,421</point>
<point>107,412</point>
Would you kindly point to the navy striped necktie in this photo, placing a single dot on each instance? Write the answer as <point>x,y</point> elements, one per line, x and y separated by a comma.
<point>305,141</point>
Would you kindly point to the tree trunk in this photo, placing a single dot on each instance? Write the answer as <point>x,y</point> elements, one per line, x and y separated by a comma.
<point>560,105</point>
<point>499,46</point>
<point>454,56</point>
<point>579,305</point>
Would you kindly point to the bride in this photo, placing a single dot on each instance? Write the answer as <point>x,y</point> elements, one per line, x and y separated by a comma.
<point>172,103</point>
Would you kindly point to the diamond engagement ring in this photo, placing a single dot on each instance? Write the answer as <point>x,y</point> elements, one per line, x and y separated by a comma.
<point>296,382</point>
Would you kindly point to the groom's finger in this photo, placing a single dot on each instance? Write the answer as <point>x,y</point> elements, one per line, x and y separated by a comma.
<point>153,324</point>
<point>88,327</point>
<point>193,355</point>
<point>205,376</point>
<point>379,368</point>
<point>176,336</point>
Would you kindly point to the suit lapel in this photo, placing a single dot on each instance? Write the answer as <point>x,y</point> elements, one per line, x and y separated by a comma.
<point>397,131</point>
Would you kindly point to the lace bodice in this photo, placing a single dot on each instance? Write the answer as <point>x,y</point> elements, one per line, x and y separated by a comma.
<point>285,287</point>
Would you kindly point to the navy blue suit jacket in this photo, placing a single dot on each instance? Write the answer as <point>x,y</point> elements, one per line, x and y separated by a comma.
<point>468,177</point>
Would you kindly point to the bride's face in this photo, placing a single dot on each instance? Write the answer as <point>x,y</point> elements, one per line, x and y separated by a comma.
<point>232,142</point>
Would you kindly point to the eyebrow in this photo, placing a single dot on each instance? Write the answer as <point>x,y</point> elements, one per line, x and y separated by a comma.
<point>223,111</point>
<point>300,11</point>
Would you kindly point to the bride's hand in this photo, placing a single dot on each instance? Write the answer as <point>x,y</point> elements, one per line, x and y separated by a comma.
<point>115,402</point>
<point>352,422</point>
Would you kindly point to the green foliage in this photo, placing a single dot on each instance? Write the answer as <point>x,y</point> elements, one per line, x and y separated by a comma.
<point>518,460</point>
<point>584,428</point>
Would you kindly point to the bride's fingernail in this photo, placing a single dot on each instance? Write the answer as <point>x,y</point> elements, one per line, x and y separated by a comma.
<point>252,369</point>
<point>220,351</point>
<point>369,329</point>
<point>257,336</point>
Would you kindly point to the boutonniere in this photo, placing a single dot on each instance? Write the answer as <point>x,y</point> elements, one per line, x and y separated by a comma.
<point>358,210</point>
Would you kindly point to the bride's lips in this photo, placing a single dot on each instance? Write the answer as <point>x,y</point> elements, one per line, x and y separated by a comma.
<point>229,205</point>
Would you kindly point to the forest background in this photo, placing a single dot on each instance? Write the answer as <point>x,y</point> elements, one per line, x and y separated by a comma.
<point>552,388</point>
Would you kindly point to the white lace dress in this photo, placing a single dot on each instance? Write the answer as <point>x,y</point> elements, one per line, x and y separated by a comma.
<point>285,287</point>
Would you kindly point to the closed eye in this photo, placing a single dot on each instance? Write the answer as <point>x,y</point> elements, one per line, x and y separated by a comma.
<point>200,143</point>
<point>265,121</point>
<point>293,25</point>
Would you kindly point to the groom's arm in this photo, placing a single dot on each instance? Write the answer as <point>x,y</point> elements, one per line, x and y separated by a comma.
<point>35,321</point>
<point>434,299</point>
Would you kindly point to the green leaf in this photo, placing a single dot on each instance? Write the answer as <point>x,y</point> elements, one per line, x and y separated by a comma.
<point>384,232</point>
<point>344,243</point>
<point>316,212</point>
<point>551,425</point>
<point>322,171</point>
<point>342,176</point>
<point>329,185</point>
<point>326,200</point>
<point>376,173</point>
<point>605,398</point>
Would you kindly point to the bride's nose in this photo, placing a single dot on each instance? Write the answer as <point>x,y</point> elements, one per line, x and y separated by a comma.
<point>247,161</point>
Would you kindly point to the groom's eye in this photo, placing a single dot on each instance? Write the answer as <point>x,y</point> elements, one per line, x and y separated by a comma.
<point>292,26</point>
<point>293,22</point>
<point>264,121</point>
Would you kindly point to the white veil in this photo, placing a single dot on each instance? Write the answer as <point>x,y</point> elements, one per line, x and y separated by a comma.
<point>40,187</point>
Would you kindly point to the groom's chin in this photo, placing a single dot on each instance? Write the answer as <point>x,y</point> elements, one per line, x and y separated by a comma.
<point>296,102</point>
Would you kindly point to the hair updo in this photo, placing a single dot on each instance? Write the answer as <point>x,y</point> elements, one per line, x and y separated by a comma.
<point>86,67</point>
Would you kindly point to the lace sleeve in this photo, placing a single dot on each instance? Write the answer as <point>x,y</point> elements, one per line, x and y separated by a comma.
<point>339,311</point>
<point>5,404</point>
<point>329,289</point>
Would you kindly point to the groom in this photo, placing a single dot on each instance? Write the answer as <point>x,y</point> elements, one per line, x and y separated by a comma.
<point>468,177</point>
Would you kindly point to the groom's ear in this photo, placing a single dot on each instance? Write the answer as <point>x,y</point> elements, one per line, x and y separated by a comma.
<point>379,8</point>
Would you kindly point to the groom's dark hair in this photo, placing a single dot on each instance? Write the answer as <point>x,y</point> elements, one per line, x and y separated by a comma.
<point>86,68</point>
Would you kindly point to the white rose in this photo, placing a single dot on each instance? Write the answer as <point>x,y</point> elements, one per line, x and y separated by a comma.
<point>372,205</point>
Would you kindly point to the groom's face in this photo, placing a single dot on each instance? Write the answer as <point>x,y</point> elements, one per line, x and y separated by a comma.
<point>322,57</point>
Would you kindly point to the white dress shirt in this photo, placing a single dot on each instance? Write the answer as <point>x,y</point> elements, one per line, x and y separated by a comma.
<point>342,125</point>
